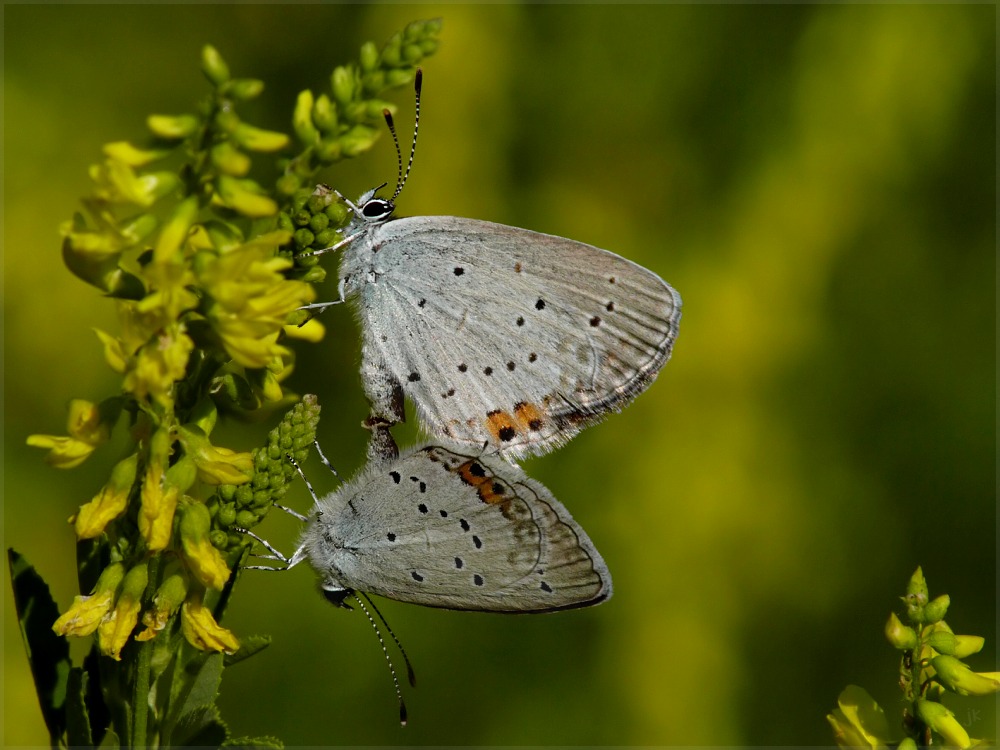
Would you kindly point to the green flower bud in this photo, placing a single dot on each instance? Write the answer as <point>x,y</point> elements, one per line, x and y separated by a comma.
<point>302,119</point>
<point>368,56</point>
<point>304,238</point>
<point>219,539</point>
<point>227,120</point>
<point>942,641</point>
<point>182,474</point>
<point>244,89</point>
<point>327,237</point>
<point>314,275</point>
<point>176,229</point>
<point>358,139</point>
<point>399,77</point>
<point>230,160</point>
<point>937,609</point>
<point>957,677</point>
<point>258,139</point>
<point>139,228</point>
<point>134,157</point>
<point>213,65</point>
<point>246,519</point>
<point>318,223</point>
<point>172,127</point>
<point>234,194</point>
<point>429,46</point>
<point>412,53</point>
<point>342,85</point>
<point>287,184</point>
<point>325,114</point>
<point>967,645</point>
<point>374,81</point>
<point>226,515</point>
<point>900,636</point>
<point>942,721</point>
<point>907,743</point>
<point>918,586</point>
<point>338,213</point>
<point>329,152</point>
<point>391,53</point>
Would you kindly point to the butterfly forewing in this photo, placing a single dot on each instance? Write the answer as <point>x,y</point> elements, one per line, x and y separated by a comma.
<point>444,529</point>
<point>507,337</point>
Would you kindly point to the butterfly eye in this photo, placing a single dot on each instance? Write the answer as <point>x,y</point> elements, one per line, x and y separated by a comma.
<point>377,209</point>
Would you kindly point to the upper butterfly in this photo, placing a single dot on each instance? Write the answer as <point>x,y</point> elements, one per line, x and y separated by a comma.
<point>505,340</point>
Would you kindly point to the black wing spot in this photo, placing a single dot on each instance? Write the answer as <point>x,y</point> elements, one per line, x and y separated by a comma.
<point>463,367</point>
<point>390,536</point>
<point>610,307</point>
<point>459,270</point>
<point>520,321</point>
<point>488,371</point>
<point>423,486</point>
<point>477,541</point>
<point>511,366</point>
<point>459,563</point>
<point>395,476</point>
<point>464,524</point>
<point>477,579</point>
<point>476,469</point>
<point>498,489</point>
<point>506,434</point>
<point>611,280</point>
<point>416,576</point>
<point>545,587</point>
<point>595,321</point>
<point>540,305</point>
<point>444,513</point>
<point>532,357</point>
<point>413,377</point>
<point>421,303</point>
<point>422,508</point>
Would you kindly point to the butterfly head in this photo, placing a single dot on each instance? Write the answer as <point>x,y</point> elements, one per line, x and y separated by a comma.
<point>374,210</point>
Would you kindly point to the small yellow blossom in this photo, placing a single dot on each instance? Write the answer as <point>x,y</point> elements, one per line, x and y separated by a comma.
<point>159,497</point>
<point>158,365</point>
<point>109,503</point>
<point>312,331</point>
<point>216,465</point>
<point>203,632</point>
<point>114,351</point>
<point>251,299</point>
<point>956,676</point>
<point>204,560</point>
<point>943,721</point>
<point>166,602</point>
<point>87,430</point>
<point>858,721</point>
<point>117,626</point>
<point>86,612</point>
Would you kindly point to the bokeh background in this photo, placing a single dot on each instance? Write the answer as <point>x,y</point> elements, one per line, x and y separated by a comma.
<point>818,181</point>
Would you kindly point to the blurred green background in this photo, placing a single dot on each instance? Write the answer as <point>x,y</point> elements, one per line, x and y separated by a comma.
<point>817,181</point>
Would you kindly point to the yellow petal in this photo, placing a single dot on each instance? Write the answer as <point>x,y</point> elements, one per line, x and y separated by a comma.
<point>85,614</point>
<point>203,632</point>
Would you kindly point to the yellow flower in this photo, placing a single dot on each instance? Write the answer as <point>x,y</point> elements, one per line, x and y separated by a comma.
<point>117,626</point>
<point>312,331</point>
<point>158,365</point>
<point>956,676</point>
<point>109,503</point>
<point>86,612</point>
<point>87,428</point>
<point>204,560</point>
<point>943,721</point>
<point>202,631</point>
<point>858,721</point>
<point>166,602</point>
<point>216,465</point>
<point>250,299</point>
<point>158,496</point>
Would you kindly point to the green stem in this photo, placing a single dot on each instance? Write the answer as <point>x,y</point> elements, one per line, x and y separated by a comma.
<point>140,700</point>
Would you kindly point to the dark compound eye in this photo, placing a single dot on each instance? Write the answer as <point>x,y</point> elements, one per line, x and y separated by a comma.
<point>377,208</point>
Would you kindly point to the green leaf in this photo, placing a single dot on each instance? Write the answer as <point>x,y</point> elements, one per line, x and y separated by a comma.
<point>48,653</point>
<point>255,743</point>
<point>77,720</point>
<point>202,727</point>
<point>249,645</point>
<point>110,741</point>
<point>195,679</point>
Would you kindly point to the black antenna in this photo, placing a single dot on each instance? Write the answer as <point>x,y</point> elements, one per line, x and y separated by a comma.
<point>385,652</point>
<point>410,674</point>
<point>401,176</point>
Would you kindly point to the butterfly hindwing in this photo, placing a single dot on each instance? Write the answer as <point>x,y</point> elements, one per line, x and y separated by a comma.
<point>445,529</point>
